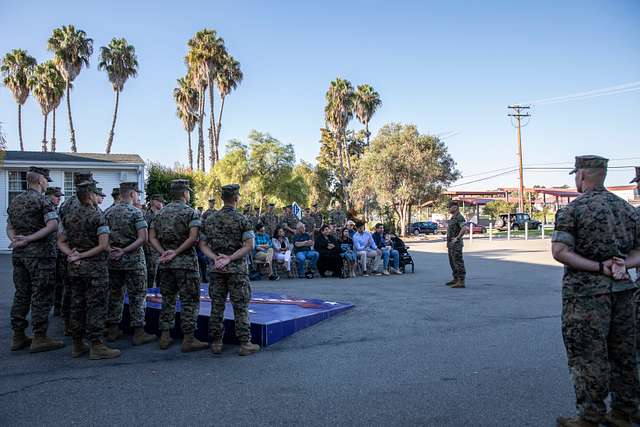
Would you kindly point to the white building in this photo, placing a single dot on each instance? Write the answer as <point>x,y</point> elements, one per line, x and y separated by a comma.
<point>108,169</point>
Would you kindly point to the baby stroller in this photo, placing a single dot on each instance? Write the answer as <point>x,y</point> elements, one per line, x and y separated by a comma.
<point>405,257</point>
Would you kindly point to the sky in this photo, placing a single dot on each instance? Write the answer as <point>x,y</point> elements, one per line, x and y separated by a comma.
<point>444,66</point>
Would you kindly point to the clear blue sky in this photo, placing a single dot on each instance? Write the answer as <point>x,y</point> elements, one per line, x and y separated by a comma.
<point>444,66</point>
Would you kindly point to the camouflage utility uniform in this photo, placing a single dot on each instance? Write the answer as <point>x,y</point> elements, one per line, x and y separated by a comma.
<point>597,311</point>
<point>309,224</point>
<point>270,221</point>
<point>456,260</point>
<point>150,254</point>
<point>338,217</point>
<point>129,271</point>
<point>291,221</point>
<point>34,265</point>
<point>180,276</point>
<point>225,232</point>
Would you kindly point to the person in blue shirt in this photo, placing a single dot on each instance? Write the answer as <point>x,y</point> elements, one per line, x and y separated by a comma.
<point>263,249</point>
<point>303,250</point>
<point>387,252</point>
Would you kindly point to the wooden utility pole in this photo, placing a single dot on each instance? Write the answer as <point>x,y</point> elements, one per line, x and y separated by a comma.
<point>518,115</point>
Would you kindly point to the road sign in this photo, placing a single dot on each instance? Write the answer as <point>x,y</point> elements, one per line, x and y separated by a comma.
<point>295,208</point>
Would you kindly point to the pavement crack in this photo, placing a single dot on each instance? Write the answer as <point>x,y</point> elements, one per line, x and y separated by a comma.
<point>39,383</point>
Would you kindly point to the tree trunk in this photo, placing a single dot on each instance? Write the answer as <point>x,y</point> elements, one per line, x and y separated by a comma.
<point>222,98</point>
<point>53,132</point>
<point>20,127</point>
<point>72,132</point>
<point>190,152</point>
<point>44,136</point>
<point>200,160</point>
<point>366,131</point>
<point>113,124</point>
<point>343,179</point>
<point>404,212</point>
<point>212,127</point>
<point>346,153</point>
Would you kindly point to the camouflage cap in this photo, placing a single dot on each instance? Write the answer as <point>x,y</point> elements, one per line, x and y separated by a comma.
<point>230,191</point>
<point>124,186</point>
<point>272,204</point>
<point>42,171</point>
<point>212,199</point>
<point>54,191</point>
<point>180,185</point>
<point>637,178</point>
<point>590,162</point>
<point>158,197</point>
<point>82,178</point>
<point>99,192</point>
<point>115,193</point>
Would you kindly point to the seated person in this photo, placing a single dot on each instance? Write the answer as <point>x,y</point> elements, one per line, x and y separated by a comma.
<point>351,226</point>
<point>263,249</point>
<point>347,252</point>
<point>282,249</point>
<point>365,247</point>
<point>329,251</point>
<point>303,250</point>
<point>387,252</point>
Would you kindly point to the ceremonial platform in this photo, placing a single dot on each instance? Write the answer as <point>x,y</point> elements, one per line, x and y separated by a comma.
<point>273,316</point>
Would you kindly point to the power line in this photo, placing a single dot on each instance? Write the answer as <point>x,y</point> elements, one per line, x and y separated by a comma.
<point>612,90</point>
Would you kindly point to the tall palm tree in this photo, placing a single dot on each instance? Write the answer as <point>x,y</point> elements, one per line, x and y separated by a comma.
<point>206,51</point>
<point>47,85</point>
<point>72,50</point>
<point>227,80</point>
<point>199,83</point>
<point>366,102</point>
<point>120,62</point>
<point>16,67</point>
<point>187,108</point>
<point>338,114</point>
<point>56,103</point>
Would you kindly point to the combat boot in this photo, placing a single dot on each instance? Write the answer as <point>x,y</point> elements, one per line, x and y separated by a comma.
<point>78,347</point>
<point>100,351</point>
<point>216,347</point>
<point>458,285</point>
<point>20,340</point>
<point>575,422</point>
<point>114,333</point>
<point>165,340</point>
<point>140,337</point>
<point>41,342</point>
<point>190,343</point>
<point>451,282</point>
<point>617,418</point>
<point>248,348</point>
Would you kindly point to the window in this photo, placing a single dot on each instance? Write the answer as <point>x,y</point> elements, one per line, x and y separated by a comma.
<point>17,183</point>
<point>69,186</point>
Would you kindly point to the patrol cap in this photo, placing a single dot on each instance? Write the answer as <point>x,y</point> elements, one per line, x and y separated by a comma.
<point>99,192</point>
<point>80,178</point>
<point>231,190</point>
<point>589,162</point>
<point>115,193</point>
<point>158,197</point>
<point>212,199</point>
<point>125,186</point>
<point>54,191</point>
<point>272,204</point>
<point>637,178</point>
<point>42,171</point>
<point>454,203</point>
<point>180,185</point>
<point>315,205</point>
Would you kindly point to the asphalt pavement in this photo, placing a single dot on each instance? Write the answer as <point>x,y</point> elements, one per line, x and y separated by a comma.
<point>411,352</point>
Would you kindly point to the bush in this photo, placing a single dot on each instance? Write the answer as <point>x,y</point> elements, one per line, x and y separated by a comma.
<point>159,180</point>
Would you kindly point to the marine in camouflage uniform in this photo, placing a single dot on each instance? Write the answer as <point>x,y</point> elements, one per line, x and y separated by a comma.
<point>598,311</point>
<point>317,216</point>
<point>337,216</point>
<point>455,231</point>
<point>127,268</point>
<point>32,226</point>
<point>212,208</point>
<point>150,254</point>
<point>54,194</point>
<point>270,220</point>
<point>82,241</point>
<point>309,221</point>
<point>289,222</point>
<point>178,273</point>
<point>228,236</point>
<point>636,415</point>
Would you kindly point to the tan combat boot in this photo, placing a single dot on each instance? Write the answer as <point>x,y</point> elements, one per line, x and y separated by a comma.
<point>100,351</point>
<point>190,343</point>
<point>41,342</point>
<point>458,285</point>
<point>451,282</point>
<point>114,333</point>
<point>165,340</point>
<point>216,347</point>
<point>78,348</point>
<point>617,418</point>
<point>140,337</point>
<point>575,422</point>
<point>248,348</point>
<point>20,340</point>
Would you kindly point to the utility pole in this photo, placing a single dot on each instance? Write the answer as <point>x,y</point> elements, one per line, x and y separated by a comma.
<point>518,115</point>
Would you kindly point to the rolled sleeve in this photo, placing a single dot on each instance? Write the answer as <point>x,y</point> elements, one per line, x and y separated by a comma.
<point>141,224</point>
<point>195,223</point>
<point>247,235</point>
<point>49,216</point>
<point>103,229</point>
<point>563,237</point>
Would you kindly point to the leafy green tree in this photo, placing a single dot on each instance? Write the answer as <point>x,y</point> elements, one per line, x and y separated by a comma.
<point>47,85</point>
<point>72,50</point>
<point>403,168</point>
<point>159,179</point>
<point>120,62</point>
<point>366,103</point>
<point>16,67</point>
<point>497,207</point>
<point>315,180</point>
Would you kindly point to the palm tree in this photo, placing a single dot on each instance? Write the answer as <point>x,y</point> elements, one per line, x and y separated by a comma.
<point>338,114</point>
<point>187,107</point>
<point>228,78</point>
<point>56,104</point>
<point>366,102</point>
<point>199,83</point>
<point>47,85</point>
<point>72,50</point>
<point>206,51</point>
<point>16,67</point>
<point>120,62</point>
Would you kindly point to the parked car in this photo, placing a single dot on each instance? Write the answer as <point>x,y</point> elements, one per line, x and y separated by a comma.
<point>423,227</point>
<point>443,225</point>
<point>477,229</point>
<point>518,221</point>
